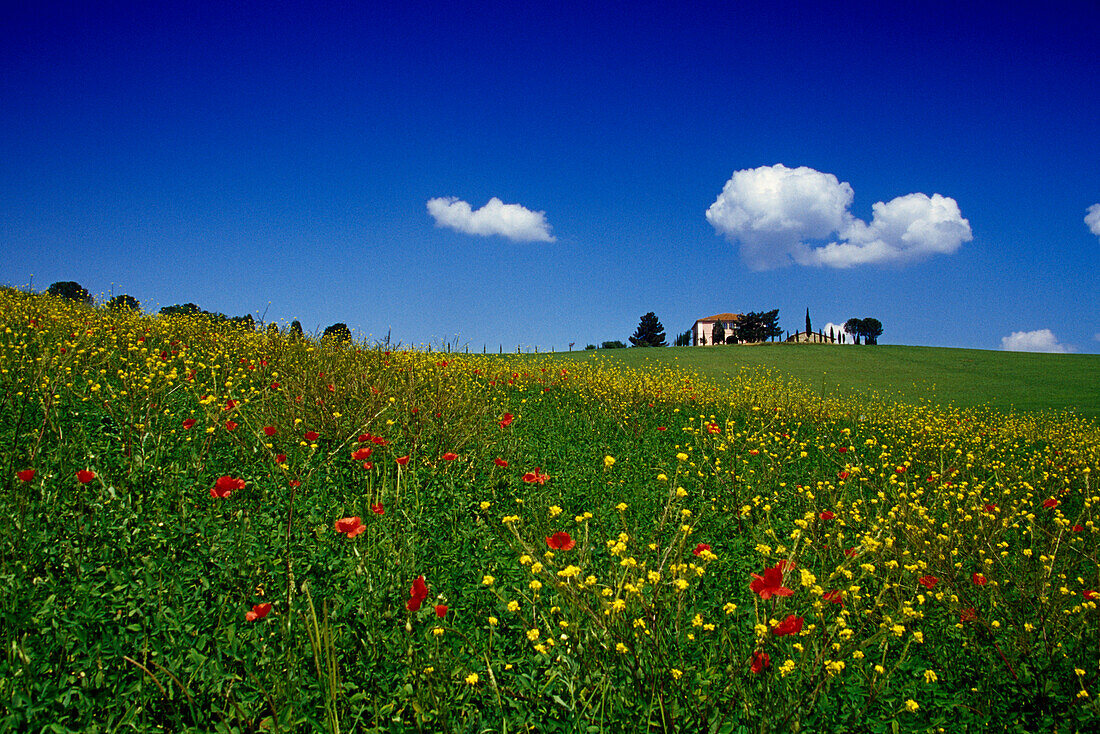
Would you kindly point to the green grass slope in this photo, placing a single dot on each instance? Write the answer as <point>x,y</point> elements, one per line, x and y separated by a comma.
<point>1019,381</point>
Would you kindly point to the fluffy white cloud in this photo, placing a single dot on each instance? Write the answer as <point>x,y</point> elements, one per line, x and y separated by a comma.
<point>1092,219</point>
<point>513,221</point>
<point>838,329</point>
<point>1040,340</point>
<point>781,215</point>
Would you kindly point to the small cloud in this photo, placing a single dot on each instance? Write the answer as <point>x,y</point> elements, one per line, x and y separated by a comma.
<point>1040,340</point>
<point>838,329</point>
<point>779,214</point>
<point>513,221</point>
<point>1092,219</point>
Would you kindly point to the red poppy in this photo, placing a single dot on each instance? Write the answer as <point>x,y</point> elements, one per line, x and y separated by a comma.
<point>361,454</point>
<point>852,552</point>
<point>834,597</point>
<point>295,483</point>
<point>364,438</point>
<point>713,428</point>
<point>760,661</point>
<point>188,424</point>
<point>230,404</point>
<point>441,610</point>
<point>368,464</point>
<point>352,526</point>
<point>402,460</point>
<point>928,581</point>
<point>312,435</point>
<point>827,515</point>
<point>899,470</point>
<point>535,477</point>
<point>990,508</point>
<point>378,509</point>
<point>449,456</point>
<point>230,426</point>
<point>792,625</point>
<point>26,475</point>
<point>417,594</point>
<point>842,475</point>
<point>500,462</point>
<point>560,541</point>
<point>379,441</point>
<point>967,615</point>
<point>1077,528</point>
<point>700,548</point>
<point>770,584</point>
<point>274,386</point>
<point>506,420</point>
<point>84,476</point>
<point>842,449</point>
<point>662,428</point>
<point>1050,504</point>
<point>269,430</point>
<point>1092,595</point>
<point>280,458</point>
<point>225,486</point>
<point>258,612</point>
<point>332,388</point>
<point>978,579</point>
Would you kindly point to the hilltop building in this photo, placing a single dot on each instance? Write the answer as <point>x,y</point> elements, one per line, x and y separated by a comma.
<point>702,332</point>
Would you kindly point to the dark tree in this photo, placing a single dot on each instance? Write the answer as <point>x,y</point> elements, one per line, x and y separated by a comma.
<point>759,326</point>
<point>124,303</point>
<point>718,333</point>
<point>296,329</point>
<point>872,330</point>
<point>616,344</point>
<point>338,333</point>
<point>273,330</point>
<point>650,333</point>
<point>70,291</point>
<point>854,327</point>
<point>809,329</point>
<point>589,346</point>
<point>187,309</point>
<point>683,340</point>
<point>243,322</point>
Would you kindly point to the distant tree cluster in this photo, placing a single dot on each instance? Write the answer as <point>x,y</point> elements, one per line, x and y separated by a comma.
<point>868,329</point>
<point>758,326</point>
<point>683,340</point>
<point>70,291</point>
<point>190,309</point>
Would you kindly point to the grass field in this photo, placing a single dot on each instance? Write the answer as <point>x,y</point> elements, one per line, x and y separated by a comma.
<point>963,377</point>
<point>207,528</point>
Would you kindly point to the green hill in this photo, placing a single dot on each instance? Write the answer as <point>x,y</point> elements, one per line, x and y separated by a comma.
<point>1021,381</point>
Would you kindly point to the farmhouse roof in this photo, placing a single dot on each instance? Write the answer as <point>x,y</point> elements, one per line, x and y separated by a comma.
<point>721,317</point>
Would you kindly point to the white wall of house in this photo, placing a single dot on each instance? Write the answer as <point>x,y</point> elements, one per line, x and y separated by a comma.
<point>706,329</point>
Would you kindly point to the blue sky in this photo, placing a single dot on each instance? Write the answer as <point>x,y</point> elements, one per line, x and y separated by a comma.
<point>279,160</point>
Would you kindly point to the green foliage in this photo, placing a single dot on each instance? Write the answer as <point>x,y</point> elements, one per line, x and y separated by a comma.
<point>683,340</point>
<point>649,333</point>
<point>809,327</point>
<point>718,333</point>
<point>616,344</point>
<point>126,302</point>
<point>759,326</point>
<point>869,329</point>
<point>589,346</point>
<point>296,329</point>
<point>337,333</point>
<point>70,291</point>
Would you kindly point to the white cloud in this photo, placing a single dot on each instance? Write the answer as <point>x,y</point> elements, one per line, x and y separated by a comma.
<point>1092,219</point>
<point>508,220</point>
<point>1040,340</point>
<point>776,213</point>
<point>838,329</point>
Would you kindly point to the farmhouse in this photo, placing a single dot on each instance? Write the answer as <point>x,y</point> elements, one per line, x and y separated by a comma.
<point>702,333</point>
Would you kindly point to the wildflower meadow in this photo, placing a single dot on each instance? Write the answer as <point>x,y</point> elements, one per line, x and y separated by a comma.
<point>211,528</point>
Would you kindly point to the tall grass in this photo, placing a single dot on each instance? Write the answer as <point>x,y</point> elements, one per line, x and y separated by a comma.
<point>594,542</point>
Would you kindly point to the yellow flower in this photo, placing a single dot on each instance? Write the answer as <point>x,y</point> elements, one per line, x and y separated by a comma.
<point>662,477</point>
<point>608,462</point>
<point>513,606</point>
<point>621,506</point>
<point>493,621</point>
<point>472,679</point>
<point>487,580</point>
<point>532,634</point>
<point>930,676</point>
<point>620,648</point>
<point>535,585</point>
<point>682,456</point>
<point>437,631</point>
<point>677,673</point>
<point>681,492</point>
<point>569,572</point>
<point>729,608</point>
<point>554,511</point>
<point>484,505</point>
<point>911,705</point>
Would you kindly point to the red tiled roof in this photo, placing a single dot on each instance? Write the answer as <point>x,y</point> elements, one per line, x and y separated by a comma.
<point>721,317</point>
